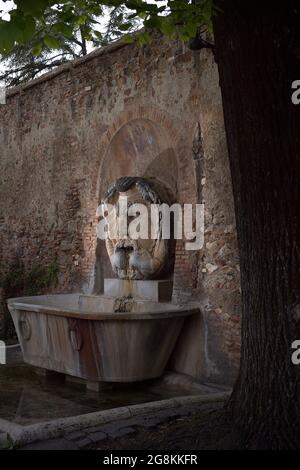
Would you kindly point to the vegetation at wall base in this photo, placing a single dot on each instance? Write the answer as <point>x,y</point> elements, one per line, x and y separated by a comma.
<point>18,281</point>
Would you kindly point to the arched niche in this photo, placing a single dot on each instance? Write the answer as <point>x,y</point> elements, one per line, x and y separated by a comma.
<point>143,148</point>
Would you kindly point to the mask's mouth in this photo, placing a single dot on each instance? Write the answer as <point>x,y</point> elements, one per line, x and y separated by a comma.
<point>125,246</point>
<point>123,251</point>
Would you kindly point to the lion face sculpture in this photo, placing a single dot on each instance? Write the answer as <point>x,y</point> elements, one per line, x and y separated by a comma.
<point>135,258</point>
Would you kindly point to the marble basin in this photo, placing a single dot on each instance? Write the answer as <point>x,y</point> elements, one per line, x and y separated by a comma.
<point>98,338</point>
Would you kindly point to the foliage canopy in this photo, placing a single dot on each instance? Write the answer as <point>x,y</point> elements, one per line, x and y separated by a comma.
<point>29,21</point>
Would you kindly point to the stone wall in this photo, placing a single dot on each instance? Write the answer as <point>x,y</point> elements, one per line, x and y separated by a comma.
<point>151,111</point>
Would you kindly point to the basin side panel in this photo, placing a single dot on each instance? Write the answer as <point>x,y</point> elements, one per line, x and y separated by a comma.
<point>129,351</point>
<point>97,350</point>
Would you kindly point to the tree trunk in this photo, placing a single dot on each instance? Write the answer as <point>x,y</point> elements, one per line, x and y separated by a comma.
<point>83,42</point>
<point>258,55</point>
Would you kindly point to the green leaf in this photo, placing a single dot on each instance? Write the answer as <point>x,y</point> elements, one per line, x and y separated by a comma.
<point>80,20</point>
<point>32,7</point>
<point>7,40</point>
<point>143,15</point>
<point>98,35</point>
<point>143,38</point>
<point>88,35</point>
<point>21,27</point>
<point>125,27</point>
<point>154,22</point>
<point>64,29</point>
<point>37,49</point>
<point>166,27</point>
<point>128,39</point>
<point>28,30</point>
<point>51,42</point>
<point>184,35</point>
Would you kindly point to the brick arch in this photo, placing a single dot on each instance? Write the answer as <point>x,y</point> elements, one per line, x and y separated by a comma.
<point>157,118</point>
<point>171,144</point>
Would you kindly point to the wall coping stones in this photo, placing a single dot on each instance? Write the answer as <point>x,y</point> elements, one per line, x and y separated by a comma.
<point>67,67</point>
<point>100,51</point>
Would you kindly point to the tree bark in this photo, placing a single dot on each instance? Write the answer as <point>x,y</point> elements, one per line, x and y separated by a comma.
<point>83,42</point>
<point>258,56</point>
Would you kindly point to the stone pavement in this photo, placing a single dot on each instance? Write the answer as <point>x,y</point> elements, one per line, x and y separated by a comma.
<point>109,435</point>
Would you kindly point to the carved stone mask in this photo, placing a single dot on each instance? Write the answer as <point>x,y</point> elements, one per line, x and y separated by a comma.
<point>141,258</point>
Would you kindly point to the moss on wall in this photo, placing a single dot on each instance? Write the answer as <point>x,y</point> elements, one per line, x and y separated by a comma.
<point>18,281</point>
